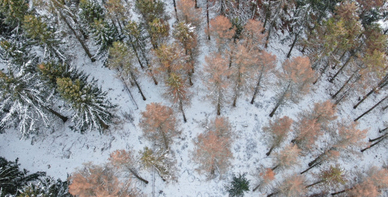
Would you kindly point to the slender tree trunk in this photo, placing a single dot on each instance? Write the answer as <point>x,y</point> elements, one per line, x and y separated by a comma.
<point>374,144</point>
<point>378,138</point>
<point>343,86</point>
<point>257,187</point>
<point>310,167</point>
<point>137,85</point>
<point>148,66</point>
<point>339,71</point>
<point>137,175</point>
<point>136,53</point>
<point>102,123</point>
<point>269,34</point>
<point>316,183</point>
<point>181,108</point>
<point>292,46</point>
<point>382,130</point>
<point>164,138</point>
<point>237,91</point>
<point>270,150</point>
<point>280,101</point>
<point>129,91</point>
<point>77,37</point>
<point>219,103</point>
<point>320,74</point>
<point>370,109</point>
<point>274,168</point>
<point>196,4</point>
<point>207,19</point>
<point>340,192</point>
<point>62,117</point>
<point>382,83</point>
<point>269,195</point>
<point>257,85</point>
<point>335,65</point>
<point>176,12</point>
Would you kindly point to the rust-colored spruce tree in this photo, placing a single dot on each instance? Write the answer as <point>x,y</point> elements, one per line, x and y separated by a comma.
<point>212,151</point>
<point>295,80</point>
<point>216,79</point>
<point>277,130</point>
<point>159,124</point>
<point>99,181</point>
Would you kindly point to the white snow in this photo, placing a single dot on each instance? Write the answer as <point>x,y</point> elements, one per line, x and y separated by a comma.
<point>59,150</point>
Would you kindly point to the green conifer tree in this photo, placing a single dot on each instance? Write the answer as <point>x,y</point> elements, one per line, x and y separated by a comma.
<point>89,102</point>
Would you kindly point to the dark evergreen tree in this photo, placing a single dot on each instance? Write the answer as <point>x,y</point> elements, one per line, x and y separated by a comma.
<point>12,12</point>
<point>104,35</point>
<point>24,101</point>
<point>12,179</point>
<point>89,102</point>
<point>238,186</point>
<point>47,187</point>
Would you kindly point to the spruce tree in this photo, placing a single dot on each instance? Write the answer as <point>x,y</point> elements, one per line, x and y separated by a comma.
<point>12,178</point>
<point>91,108</point>
<point>24,101</point>
<point>238,186</point>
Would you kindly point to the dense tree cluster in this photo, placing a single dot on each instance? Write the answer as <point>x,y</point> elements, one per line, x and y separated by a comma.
<point>338,41</point>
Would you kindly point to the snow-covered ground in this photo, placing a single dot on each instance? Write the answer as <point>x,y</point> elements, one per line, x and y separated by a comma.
<point>59,150</point>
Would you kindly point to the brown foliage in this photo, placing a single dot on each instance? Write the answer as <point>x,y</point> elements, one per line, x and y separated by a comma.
<point>121,158</point>
<point>299,74</point>
<point>170,58</point>
<point>98,181</point>
<point>188,13</point>
<point>221,29</point>
<point>278,129</point>
<point>307,132</point>
<point>364,189</point>
<point>349,136</point>
<point>159,124</point>
<point>293,186</point>
<point>216,79</point>
<point>212,151</point>
<point>288,157</point>
<point>268,176</point>
<point>252,34</point>
<point>323,112</point>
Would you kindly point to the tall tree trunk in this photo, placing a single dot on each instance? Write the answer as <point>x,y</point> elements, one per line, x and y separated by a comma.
<point>374,144</point>
<point>137,175</point>
<point>270,150</point>
<point>343,86</point>
<point>238,87</point>
<point>269,34</point>
<point>274,168</point>
<point>136,53</point>
<point>335,65</point>
<point>339,71</point>
<point>340,192</point>
<point>316,183</point>
<point>196,4</point>
<point>382,130</point>
<point>181,108</point>
<point>292,46</point>
<point>257,85</point>
<point>219,103</point>
<point>137,85</point>
<point>378,138</point>
<point>165,140</point>
<point>321,73</point>
<point>370,109</point>
<point>86,49</point>
<point>382,83</point>
<point>280,101</point>
<point>62,117</point>
<point>309,168</point>
<point>129,91</point>
<point>207,19</point>
<point>269,195</point>
<point>176,12</point>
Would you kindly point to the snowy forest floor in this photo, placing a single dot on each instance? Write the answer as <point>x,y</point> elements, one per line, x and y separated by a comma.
<point>59,150</point>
